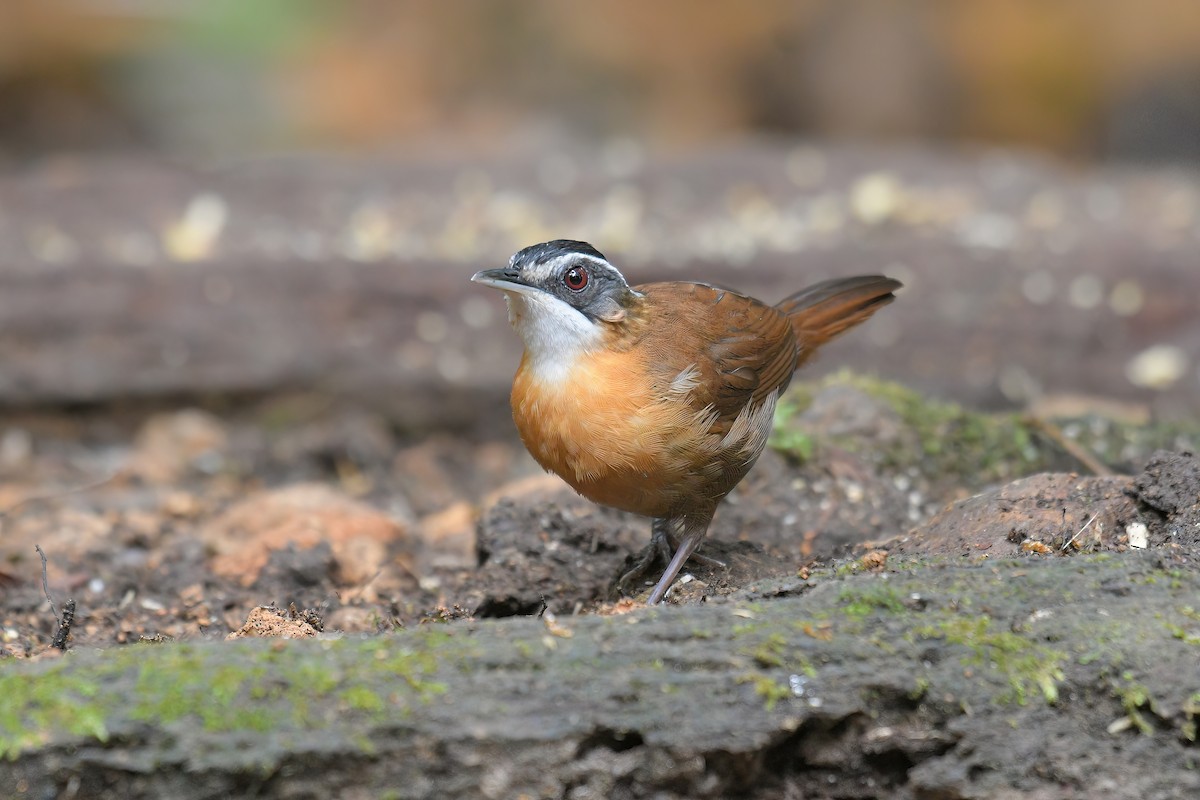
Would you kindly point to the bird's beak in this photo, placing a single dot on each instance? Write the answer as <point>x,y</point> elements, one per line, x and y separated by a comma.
<point>506,280</point>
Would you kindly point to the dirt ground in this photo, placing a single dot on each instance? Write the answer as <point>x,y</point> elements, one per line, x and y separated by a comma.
<point>175,524</point>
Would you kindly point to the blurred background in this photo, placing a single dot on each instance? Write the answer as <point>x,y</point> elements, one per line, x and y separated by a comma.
<point>1085,79</point>
<point>321,177</point>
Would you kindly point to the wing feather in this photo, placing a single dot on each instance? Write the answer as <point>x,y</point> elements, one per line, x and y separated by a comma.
<point>750,347</point>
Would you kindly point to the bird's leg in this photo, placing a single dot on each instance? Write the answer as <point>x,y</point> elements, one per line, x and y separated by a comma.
<point>693,533</point>
<point>665,541</point>
<point>662,545</point>
<point>697,557</point>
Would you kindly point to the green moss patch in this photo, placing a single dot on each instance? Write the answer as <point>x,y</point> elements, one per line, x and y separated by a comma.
<point>265,686</point>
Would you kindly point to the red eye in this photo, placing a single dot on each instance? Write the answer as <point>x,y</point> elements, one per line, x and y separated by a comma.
<point>576,278</point>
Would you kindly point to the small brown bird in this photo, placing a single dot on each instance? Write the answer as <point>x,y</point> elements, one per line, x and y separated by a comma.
<point>657,399</point>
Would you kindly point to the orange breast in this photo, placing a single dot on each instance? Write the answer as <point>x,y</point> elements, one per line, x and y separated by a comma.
<point>607,434</point>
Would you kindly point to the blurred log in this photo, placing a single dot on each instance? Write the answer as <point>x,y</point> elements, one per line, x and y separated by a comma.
<point>139,278</point>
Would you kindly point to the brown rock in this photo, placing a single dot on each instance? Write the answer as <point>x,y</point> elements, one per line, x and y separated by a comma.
<point>181,504</point>
<point>169,445</point>
<point>1042,515</point>
<point>302,516</point>
<point>268,622</point>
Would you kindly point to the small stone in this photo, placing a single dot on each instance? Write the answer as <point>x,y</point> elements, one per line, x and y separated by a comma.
<point>1139,535</point>
<point>267,622</point>
<point>181,504</point>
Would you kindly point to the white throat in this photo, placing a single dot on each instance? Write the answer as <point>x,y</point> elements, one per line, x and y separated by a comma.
<point>555,334</point>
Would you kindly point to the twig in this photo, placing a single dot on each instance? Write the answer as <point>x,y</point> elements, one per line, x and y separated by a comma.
<point>64,627</point>
<point>46,583</point>
<point>68,614</point>
<point>1071,541</point>
<point>1072,448</point>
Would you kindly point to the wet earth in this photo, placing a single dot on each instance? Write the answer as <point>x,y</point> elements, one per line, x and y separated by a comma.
<point>174,525</point>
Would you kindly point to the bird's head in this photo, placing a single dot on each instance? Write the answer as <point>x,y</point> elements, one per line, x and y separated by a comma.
<point>563,296</point>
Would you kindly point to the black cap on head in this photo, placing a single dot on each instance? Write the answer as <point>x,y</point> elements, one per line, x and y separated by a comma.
<point>549,250</point>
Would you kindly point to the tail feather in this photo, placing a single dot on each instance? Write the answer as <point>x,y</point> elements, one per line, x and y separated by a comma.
<point>827,309</point>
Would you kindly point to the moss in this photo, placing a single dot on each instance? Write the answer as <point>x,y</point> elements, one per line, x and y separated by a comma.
<point>771,652</point>
<point>266,688</point>
<point>1191,714</point>
<point>1022,664</point>
<point>766,687</point>
<point>1184,635</point>
<point>1134,697</point>
<point>791,439</point>
<point>33,705</point>
<point>1173,578</point>
<point>361,698</point>
<point>861,601</point>
<point>805,665</point>
<point>945,440</point>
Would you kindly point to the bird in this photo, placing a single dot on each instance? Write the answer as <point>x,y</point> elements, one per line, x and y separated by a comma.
<point>657,399</point>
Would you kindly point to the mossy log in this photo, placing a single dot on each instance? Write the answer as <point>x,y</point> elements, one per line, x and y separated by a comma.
<point>956,679</point>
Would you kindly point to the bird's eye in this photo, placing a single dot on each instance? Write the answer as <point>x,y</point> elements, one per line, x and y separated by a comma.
<point>576,278</point>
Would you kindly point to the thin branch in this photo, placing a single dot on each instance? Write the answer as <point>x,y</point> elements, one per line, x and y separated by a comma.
<point>1072,448</point>
<point>46,583</point>
<point>68,614</point>
<point>1071,541</point>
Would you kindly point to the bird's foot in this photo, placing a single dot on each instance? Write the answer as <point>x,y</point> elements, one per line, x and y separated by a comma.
<point>663,545</point>
<point>658,551</point>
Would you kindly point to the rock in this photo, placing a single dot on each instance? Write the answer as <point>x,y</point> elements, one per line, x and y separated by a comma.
<point>170,445</point>
<point>268,622</point>
<point>302,516</point>
<point>1042,514</point>
<point>1170,484</point>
